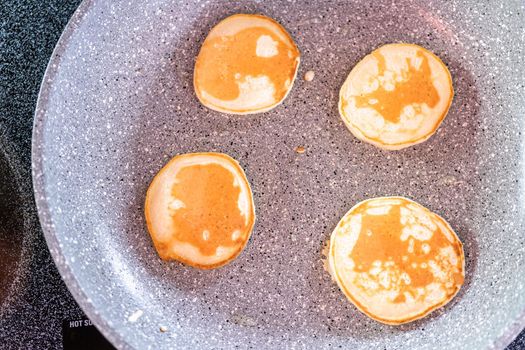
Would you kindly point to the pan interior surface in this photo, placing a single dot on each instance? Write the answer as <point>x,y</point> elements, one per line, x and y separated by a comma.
<point>117,102</point>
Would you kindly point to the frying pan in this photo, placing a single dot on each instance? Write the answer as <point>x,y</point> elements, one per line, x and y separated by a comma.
<point>117,102</point>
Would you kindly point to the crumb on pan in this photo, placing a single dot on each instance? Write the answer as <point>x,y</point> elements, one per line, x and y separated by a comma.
<point>300,149</point>
<point>309,76</point>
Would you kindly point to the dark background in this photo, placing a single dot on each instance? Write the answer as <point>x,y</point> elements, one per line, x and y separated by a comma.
<point>29,30</point>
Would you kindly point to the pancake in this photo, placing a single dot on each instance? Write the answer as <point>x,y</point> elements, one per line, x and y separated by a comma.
<point>199,210</point>
<point>246,65</point>
<point>396,97</point>
<point>395,260</point>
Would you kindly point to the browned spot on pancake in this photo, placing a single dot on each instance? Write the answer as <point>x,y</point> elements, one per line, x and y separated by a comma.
<point>224,57</point>
<point>210,204</point>
<point>380,239</point>
<point>400,298</point>
<point>415,88</point>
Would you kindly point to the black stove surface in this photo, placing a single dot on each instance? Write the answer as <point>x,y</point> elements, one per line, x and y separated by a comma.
<point>36,309</point>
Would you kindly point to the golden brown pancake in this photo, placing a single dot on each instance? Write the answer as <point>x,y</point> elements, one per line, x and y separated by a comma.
<point>396,97</point>
<point>199,210</point>
<point>395,260</point>
<point>247,64</point>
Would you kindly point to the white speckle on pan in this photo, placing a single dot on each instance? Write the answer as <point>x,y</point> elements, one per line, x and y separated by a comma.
<point>135,316</point>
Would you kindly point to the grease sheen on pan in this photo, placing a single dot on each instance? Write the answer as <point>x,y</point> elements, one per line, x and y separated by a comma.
<point>395,260</point>
<point>396,97</point>
<point>199,210</point>
<point>247,64</point>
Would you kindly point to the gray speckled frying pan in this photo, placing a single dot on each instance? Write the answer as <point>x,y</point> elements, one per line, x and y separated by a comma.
<point>117,102</point>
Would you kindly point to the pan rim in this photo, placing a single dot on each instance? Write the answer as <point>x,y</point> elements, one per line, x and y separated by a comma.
<point>40,196</point>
